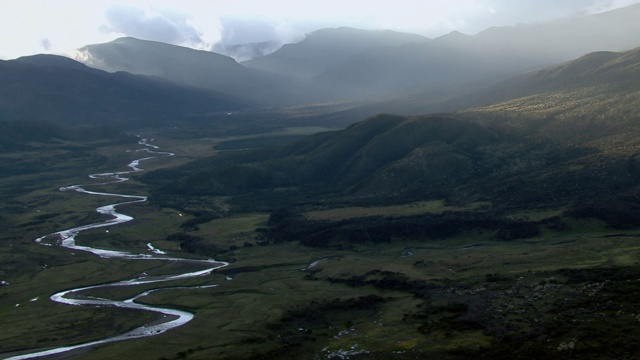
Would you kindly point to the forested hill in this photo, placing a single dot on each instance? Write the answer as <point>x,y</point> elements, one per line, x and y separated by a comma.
<point>384,154</point>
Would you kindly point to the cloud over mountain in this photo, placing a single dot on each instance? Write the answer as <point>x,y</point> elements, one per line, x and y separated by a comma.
<point>168,26</point>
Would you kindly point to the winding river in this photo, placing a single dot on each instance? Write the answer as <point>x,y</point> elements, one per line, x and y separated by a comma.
<point>171,318</point>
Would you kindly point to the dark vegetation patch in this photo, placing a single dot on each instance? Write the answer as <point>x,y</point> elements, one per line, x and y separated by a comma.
<point>335,160</point>
<point>618,213</point>
<point>388,280</point>
<point>195,244</point>
<point>287,225</point>
<point>569,313</point>
<point>321,319</point>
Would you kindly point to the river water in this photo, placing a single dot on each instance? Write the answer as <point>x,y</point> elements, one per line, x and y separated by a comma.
<point>170,318</point>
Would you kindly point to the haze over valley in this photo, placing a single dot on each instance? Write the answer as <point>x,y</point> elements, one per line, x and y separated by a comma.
<point>295,192</point>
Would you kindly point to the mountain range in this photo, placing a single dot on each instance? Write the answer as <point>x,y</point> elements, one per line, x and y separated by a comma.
<point>346,63</point>
<point>585,107</point>
<point>136,82</point>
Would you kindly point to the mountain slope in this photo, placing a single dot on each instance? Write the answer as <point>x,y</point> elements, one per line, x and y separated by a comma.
<point>603,71</point>
<point>323,49</point>
<point>189,67</point>
<point>594,69</point>
<point>345,63</point>
<point>61,90</point>
<point>364,158</point>
<point>561,40</point>
<point>593,100</point>
<point>467,62</point>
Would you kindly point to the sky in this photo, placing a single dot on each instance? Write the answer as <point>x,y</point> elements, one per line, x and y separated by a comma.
<point>60,27</point>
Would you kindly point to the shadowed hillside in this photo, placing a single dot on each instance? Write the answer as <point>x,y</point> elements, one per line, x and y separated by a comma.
<point>610,72</point>
<point>60,90</point>
<point>383,155</point>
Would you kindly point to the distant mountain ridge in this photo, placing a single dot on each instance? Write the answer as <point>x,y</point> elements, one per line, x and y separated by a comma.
<point>63,91</point>
<point>346,63</point>
<point>189,67</point>
<point>323,49</point>
<point>467,62</point>
<point>245,52</point>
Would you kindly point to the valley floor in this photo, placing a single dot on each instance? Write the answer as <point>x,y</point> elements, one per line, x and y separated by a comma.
<point>560,294</point>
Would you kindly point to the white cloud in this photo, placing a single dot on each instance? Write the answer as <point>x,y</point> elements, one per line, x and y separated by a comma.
<point>71,24</point>
<point>167,26</point>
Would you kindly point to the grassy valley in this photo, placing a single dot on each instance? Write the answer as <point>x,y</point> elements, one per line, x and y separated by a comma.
<point>475,292</point>
<point>507,229</point>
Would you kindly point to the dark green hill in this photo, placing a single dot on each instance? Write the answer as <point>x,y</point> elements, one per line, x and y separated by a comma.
<point>382,157</point>
<point>60,90</point>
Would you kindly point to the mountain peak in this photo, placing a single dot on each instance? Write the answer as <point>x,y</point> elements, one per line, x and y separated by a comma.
<point>454,38</point>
